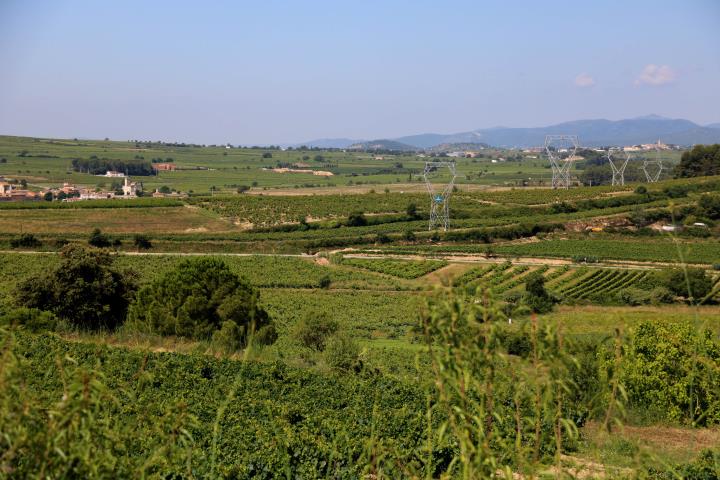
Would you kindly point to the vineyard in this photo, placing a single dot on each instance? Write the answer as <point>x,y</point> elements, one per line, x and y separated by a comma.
<point>397,268</point>
<point>656,250</point>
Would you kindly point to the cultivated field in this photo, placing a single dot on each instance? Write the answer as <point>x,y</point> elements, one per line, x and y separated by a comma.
<point>544,319</point>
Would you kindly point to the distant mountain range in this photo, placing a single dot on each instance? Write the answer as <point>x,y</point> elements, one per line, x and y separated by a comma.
<point>647,129</point>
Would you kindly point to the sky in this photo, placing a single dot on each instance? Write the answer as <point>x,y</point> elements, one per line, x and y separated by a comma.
<point>278,72</point>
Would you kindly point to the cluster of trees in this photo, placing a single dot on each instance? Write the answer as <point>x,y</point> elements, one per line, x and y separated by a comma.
<point>99,166</point>
<point>200,299</point>
<point>701,160</point>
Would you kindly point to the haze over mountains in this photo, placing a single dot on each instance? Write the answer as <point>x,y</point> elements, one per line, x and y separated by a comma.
<point>600,132</point>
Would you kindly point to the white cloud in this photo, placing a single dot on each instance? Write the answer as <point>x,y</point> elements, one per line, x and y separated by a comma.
<point>656,75</point>
<point>584,80</point>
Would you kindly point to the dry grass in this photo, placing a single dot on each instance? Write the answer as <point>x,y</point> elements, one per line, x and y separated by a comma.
<point>663,444</point>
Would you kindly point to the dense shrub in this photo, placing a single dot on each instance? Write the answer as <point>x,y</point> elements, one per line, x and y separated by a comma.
<point>142,242</point>
<point>342,353</point>
<point>641,296</point>
<point>314,330</point>
<point>691,283</point>
<point>356,219</point>
<point>671,371</point>
<point>27,240</point>
<point>83,289</point>
<point>705,467</point>
<point>537,298</point>
<point>99,239</point>
<point>194,300</point>
<point>31,319</point>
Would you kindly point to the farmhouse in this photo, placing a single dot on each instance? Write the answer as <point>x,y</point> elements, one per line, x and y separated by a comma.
<point>114,173</point>
<point>8,193</point>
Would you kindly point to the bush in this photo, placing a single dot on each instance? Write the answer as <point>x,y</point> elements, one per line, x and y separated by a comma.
<point>411,211</point>
<point>342,353</point>
<point>32,319</point>
<point>229,338</point>
<point>537,298</point>
<point>357,219</point>
<point>26,240</point>
<point>314,330</point>
<point>325,281</point>
<point>195,299</point>
<point>705,467</point>
<point>691,283</point>
<point>99,239</point>
<point>83,289</point>
<point>382,238</point>
<point>638,296</point>
<point>670,371</point>
<point>142,242</point>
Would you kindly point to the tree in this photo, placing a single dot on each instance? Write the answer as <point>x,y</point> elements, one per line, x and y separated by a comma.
<point>537,298</point>
<point>142,242</point>
<point>84,289</point>
<point>701,161</point>
<point>99,239</point>
<point>195,299</point>
<point>48,196</point>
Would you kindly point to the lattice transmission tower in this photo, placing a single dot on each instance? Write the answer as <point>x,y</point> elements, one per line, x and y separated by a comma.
<point>561,150</point>
<point>618,159</point>
<point>439,194</point>
<point>653,168</point>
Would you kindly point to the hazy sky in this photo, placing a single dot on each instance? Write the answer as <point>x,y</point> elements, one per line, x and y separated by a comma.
<point>268,71</point>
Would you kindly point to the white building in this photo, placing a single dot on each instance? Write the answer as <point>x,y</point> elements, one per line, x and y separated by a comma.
<point>130,189</point>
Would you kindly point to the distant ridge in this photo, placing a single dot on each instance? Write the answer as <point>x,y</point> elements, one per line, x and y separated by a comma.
<point>383,145</point>
<point>328,143</point>
<point>456,147</point>
<point>595,132</point>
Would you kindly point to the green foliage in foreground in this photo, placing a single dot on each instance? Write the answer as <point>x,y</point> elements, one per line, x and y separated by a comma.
<point>135,413</point>
<point>671,372</point>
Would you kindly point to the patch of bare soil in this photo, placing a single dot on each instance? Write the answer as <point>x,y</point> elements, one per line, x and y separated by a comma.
<point>322,261</point>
